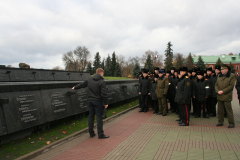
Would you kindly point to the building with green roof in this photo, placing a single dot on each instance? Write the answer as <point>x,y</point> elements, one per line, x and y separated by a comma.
<point>210,61</point>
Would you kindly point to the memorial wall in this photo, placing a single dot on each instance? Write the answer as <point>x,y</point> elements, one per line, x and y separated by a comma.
<point>29,98</point>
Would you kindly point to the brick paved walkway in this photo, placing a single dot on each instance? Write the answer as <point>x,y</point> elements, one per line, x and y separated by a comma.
<point>148,136</point>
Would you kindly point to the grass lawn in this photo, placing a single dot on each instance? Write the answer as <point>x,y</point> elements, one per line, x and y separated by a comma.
<point>40,139</point>
<point>116,78</point>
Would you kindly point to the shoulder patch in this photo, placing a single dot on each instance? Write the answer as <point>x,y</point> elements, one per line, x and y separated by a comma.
<point>186,76</point>
<point>206,79</point>
<point>166,76</point>
<point>188,83</point>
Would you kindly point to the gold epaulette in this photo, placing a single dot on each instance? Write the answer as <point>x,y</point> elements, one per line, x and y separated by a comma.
<point>186,76</point>
<point>206,79</point>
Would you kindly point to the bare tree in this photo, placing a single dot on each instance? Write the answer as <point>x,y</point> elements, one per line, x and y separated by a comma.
<point>76,60</point>
<point>156,58</point>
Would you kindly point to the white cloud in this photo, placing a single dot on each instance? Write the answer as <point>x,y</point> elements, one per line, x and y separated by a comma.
<point>39,32</point>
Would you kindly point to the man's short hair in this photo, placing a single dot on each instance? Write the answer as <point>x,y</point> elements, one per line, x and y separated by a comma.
<point>99,70</point>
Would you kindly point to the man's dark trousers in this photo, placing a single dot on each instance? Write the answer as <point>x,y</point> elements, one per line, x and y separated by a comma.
<point>144,102</point>
<point>185,117</point>
<point>95,107</point>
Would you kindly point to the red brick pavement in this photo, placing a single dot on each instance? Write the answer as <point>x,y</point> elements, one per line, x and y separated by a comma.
<point>94,148</point>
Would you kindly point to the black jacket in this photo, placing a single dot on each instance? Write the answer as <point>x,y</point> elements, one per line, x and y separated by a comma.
<point>172,87</point>
<point>183,93</point>
<point>201,89</point>
<point>237,86</point>
<point>144,85</point>
<point>97,90</point>
<point>209,78</point>
<point>213,82</point>
<point>153,89</point>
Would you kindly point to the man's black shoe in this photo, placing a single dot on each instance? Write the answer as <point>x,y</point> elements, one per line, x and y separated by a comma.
<point>196,116</point>
<point>93,135</point>
<point>219,125</point>
<point>214,115</point>
<point>140,111</point>
<point>180,122</point>
<point>178,119</point>
<point>164,114</point>
<point>145,111</point>
<point>173,111</point>
<point>154,112</point>
<point>102,137</point>
<point>230,126</point>
<point>183,124</point>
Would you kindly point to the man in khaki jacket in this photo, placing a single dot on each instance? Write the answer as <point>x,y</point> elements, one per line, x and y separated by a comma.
<point>161,92</point>
<point>224,89</point>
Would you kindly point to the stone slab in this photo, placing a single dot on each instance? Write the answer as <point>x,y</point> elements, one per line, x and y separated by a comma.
<point>4,77</point>
<point>80,101</point>
<point>24,110</point>
<point>61,76</point>
<point>44,75</point>
<point>28,75</point>
<point>75,77</point>
<point>56,103</point>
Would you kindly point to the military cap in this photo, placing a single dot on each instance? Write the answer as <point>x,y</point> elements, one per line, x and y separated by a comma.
<point>156,68</point>
<point>168,72</point>
<point>184,69</point>
<point>209,69</point>
<point>218,67</point>
<point>161,71</point>
<point>201,72</point>
<point>176,70</point>
<point>190,71</point>
<point>205,71</point>
<point>172,68</point>
<point>224,66</point>
<point>145,71</point>
<point>195,69</point>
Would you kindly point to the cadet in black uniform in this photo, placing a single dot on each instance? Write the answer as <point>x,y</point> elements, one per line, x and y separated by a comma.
<point>153,94</point>
<point>172,69</point>
<point>139,80</point>
<point>144,90</point>
<point>209,99</point>
<point>175,80</point>
<point>171,92</point>
<point>201,93</point>
<point>183,96</point>
<point>213,92</point>
<point>194,76</point>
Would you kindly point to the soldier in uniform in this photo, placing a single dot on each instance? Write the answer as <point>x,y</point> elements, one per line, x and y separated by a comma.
<point>144,90</point>
<point>201,93</point>
<point>153,95</point>
<point>156,69</point>
<point>175,80</point>
<point>213,92</point>
<point>172,69</point>
<point>224,89</point>
<point>139,80</point>
<point>171,92</point>
<point>161,92</point>
<point>183,96</point>
<point>209,99</point>
<point>194,76</point>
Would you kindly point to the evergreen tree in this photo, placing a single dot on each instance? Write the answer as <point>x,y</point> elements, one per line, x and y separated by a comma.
<point>136,70</point>
<point>232,67</point>
<point>200,63</point>
<point>102,64</point>
<point>118,72</point>
<point>169,56</point>
<point>97,62</point>
<point>113,64</point>
<point>218,62</point>
<point>190,62</point>
<point>89,68</point>
<point>149,64</point>
<point>107,67</point>
<point>179,60</point>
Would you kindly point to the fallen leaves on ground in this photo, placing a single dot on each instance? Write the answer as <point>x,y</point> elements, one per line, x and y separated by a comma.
<point>32,142</point>
<point>113,112</point>
<point>48,142</point>
<point>40,138</point>
<point>64,132</point>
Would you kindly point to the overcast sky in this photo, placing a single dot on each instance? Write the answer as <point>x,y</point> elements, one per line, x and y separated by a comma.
<point>39,32</point>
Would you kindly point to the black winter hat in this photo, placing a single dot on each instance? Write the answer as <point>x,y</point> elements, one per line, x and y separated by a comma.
<point>172,68</point>
<point>145,71</point>
<point>218,67</point>
<point>190,71</point>
<point>184,69</point>
<point>176,70</point>
<point>201,72</point>
<point>156,68</point>
<point>209,69</point>
<point>168,72</point>
<point>195,69</point>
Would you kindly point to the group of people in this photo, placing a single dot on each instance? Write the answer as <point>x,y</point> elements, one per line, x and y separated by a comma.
<point>186,90</point>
